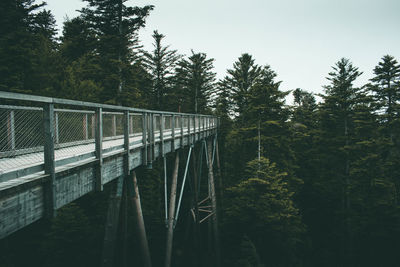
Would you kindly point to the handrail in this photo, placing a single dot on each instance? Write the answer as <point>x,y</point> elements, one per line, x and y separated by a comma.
<point>60,101</point>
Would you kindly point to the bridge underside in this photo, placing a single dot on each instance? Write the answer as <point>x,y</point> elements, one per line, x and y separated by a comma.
<point>23,199</point>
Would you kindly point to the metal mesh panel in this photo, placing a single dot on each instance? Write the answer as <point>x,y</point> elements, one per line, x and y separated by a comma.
<point>21,134</point>
<point>136,123</point>
<point>168,123</point>
<point>113,124</point>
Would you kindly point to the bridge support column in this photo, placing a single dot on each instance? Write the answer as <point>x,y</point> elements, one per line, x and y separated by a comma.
<point>213,202</point>
<point>111,226</point>
<point>170,230</point>
<point>140,227</point>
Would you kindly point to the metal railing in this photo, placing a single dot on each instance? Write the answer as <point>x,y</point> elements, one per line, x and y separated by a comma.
<point>40,134</point>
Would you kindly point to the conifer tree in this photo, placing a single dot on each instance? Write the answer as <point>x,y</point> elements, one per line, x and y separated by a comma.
<point>161,63</point>
<point>194,83</point>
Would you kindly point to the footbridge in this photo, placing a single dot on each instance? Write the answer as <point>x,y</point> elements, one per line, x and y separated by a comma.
<point>54,151</point>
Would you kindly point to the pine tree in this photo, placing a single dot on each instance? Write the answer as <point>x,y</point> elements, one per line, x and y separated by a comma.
<point>262,207</point>
<point>194,83</point>
<point>161,64</point>
<point>239,80</point>
<point>115,26</point>
<point>386,91</point>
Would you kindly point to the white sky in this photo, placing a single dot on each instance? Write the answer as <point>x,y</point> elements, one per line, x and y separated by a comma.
<point>300,39</point>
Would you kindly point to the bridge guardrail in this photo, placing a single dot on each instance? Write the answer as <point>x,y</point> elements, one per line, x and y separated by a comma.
<point>40,133</point>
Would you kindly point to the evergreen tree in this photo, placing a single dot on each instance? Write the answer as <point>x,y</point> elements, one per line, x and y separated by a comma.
<point>261,206</point>
<point>27,47</point>
<point>239,80</point>
<point>194,83</point>
<point>386,91</point>
<point>115,26</point>
<point>161,64</point>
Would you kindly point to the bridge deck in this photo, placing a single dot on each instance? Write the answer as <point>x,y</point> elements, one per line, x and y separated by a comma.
<point>24,183</point>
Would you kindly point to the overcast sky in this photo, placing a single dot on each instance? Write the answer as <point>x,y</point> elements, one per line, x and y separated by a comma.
<point>300,39</point>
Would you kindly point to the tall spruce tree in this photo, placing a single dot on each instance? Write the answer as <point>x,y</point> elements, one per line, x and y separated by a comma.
<point>115,26</point>
<point>161,63</point>
<point>194,83</point>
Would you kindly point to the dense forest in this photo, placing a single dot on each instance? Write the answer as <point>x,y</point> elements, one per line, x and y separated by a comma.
<point>315,183</point>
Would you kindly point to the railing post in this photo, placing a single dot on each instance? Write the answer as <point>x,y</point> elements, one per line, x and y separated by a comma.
<point>114,125</point>
<point>188,125</point>
<point>153,152</point>
<point>11,130</point>
<point>99,149</point>
<point>56,133</point>
<point>173,133</point>
<point>126,143</point>
<point>181,124</point>
<point>49,164</point>
<point>162,126</point>
<point>86,126</point>
<point>144,138</point>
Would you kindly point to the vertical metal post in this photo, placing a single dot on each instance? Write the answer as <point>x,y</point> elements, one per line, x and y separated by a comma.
<point>150,137</point>
<point>56,133</point>
<point>183,186</point>
<point>86,126</point>
<point>49,164</point>
<point>144,138</point>
<point>154,126</point>
<point>162,126</point>
<point>188,126</point>
<point>99,149</point>
<point>181,124</point>
<point>93,126</point>
<point>11,130</point>
<point>173,133</point>
<point>194,128</point>
<point>114,125</point>
<point>126,143</point>
<point>131,124</point>
<point>170,230</point>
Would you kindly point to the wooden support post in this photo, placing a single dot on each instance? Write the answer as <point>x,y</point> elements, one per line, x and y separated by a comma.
<point>213,204</point>
<point>99,149</point>
<point>173,133</point>
<point>111,227</point>
<point>144,138</point>
<point>49,160</point>
<point>124,227</point>
<point>133,190</point>
<point>196,233</point>
<point>170,230</point>
<point>220,185</point>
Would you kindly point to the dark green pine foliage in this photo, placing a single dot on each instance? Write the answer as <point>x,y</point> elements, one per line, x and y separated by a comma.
<point>336,138</point>
<point>265,110</point>
<point>261,206</point>
<point>387,93</point>
<point>115,26</point>
<point>239,80</point>
<point>28,62</point>
<point>194,83</point>
<point>161,63</point>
